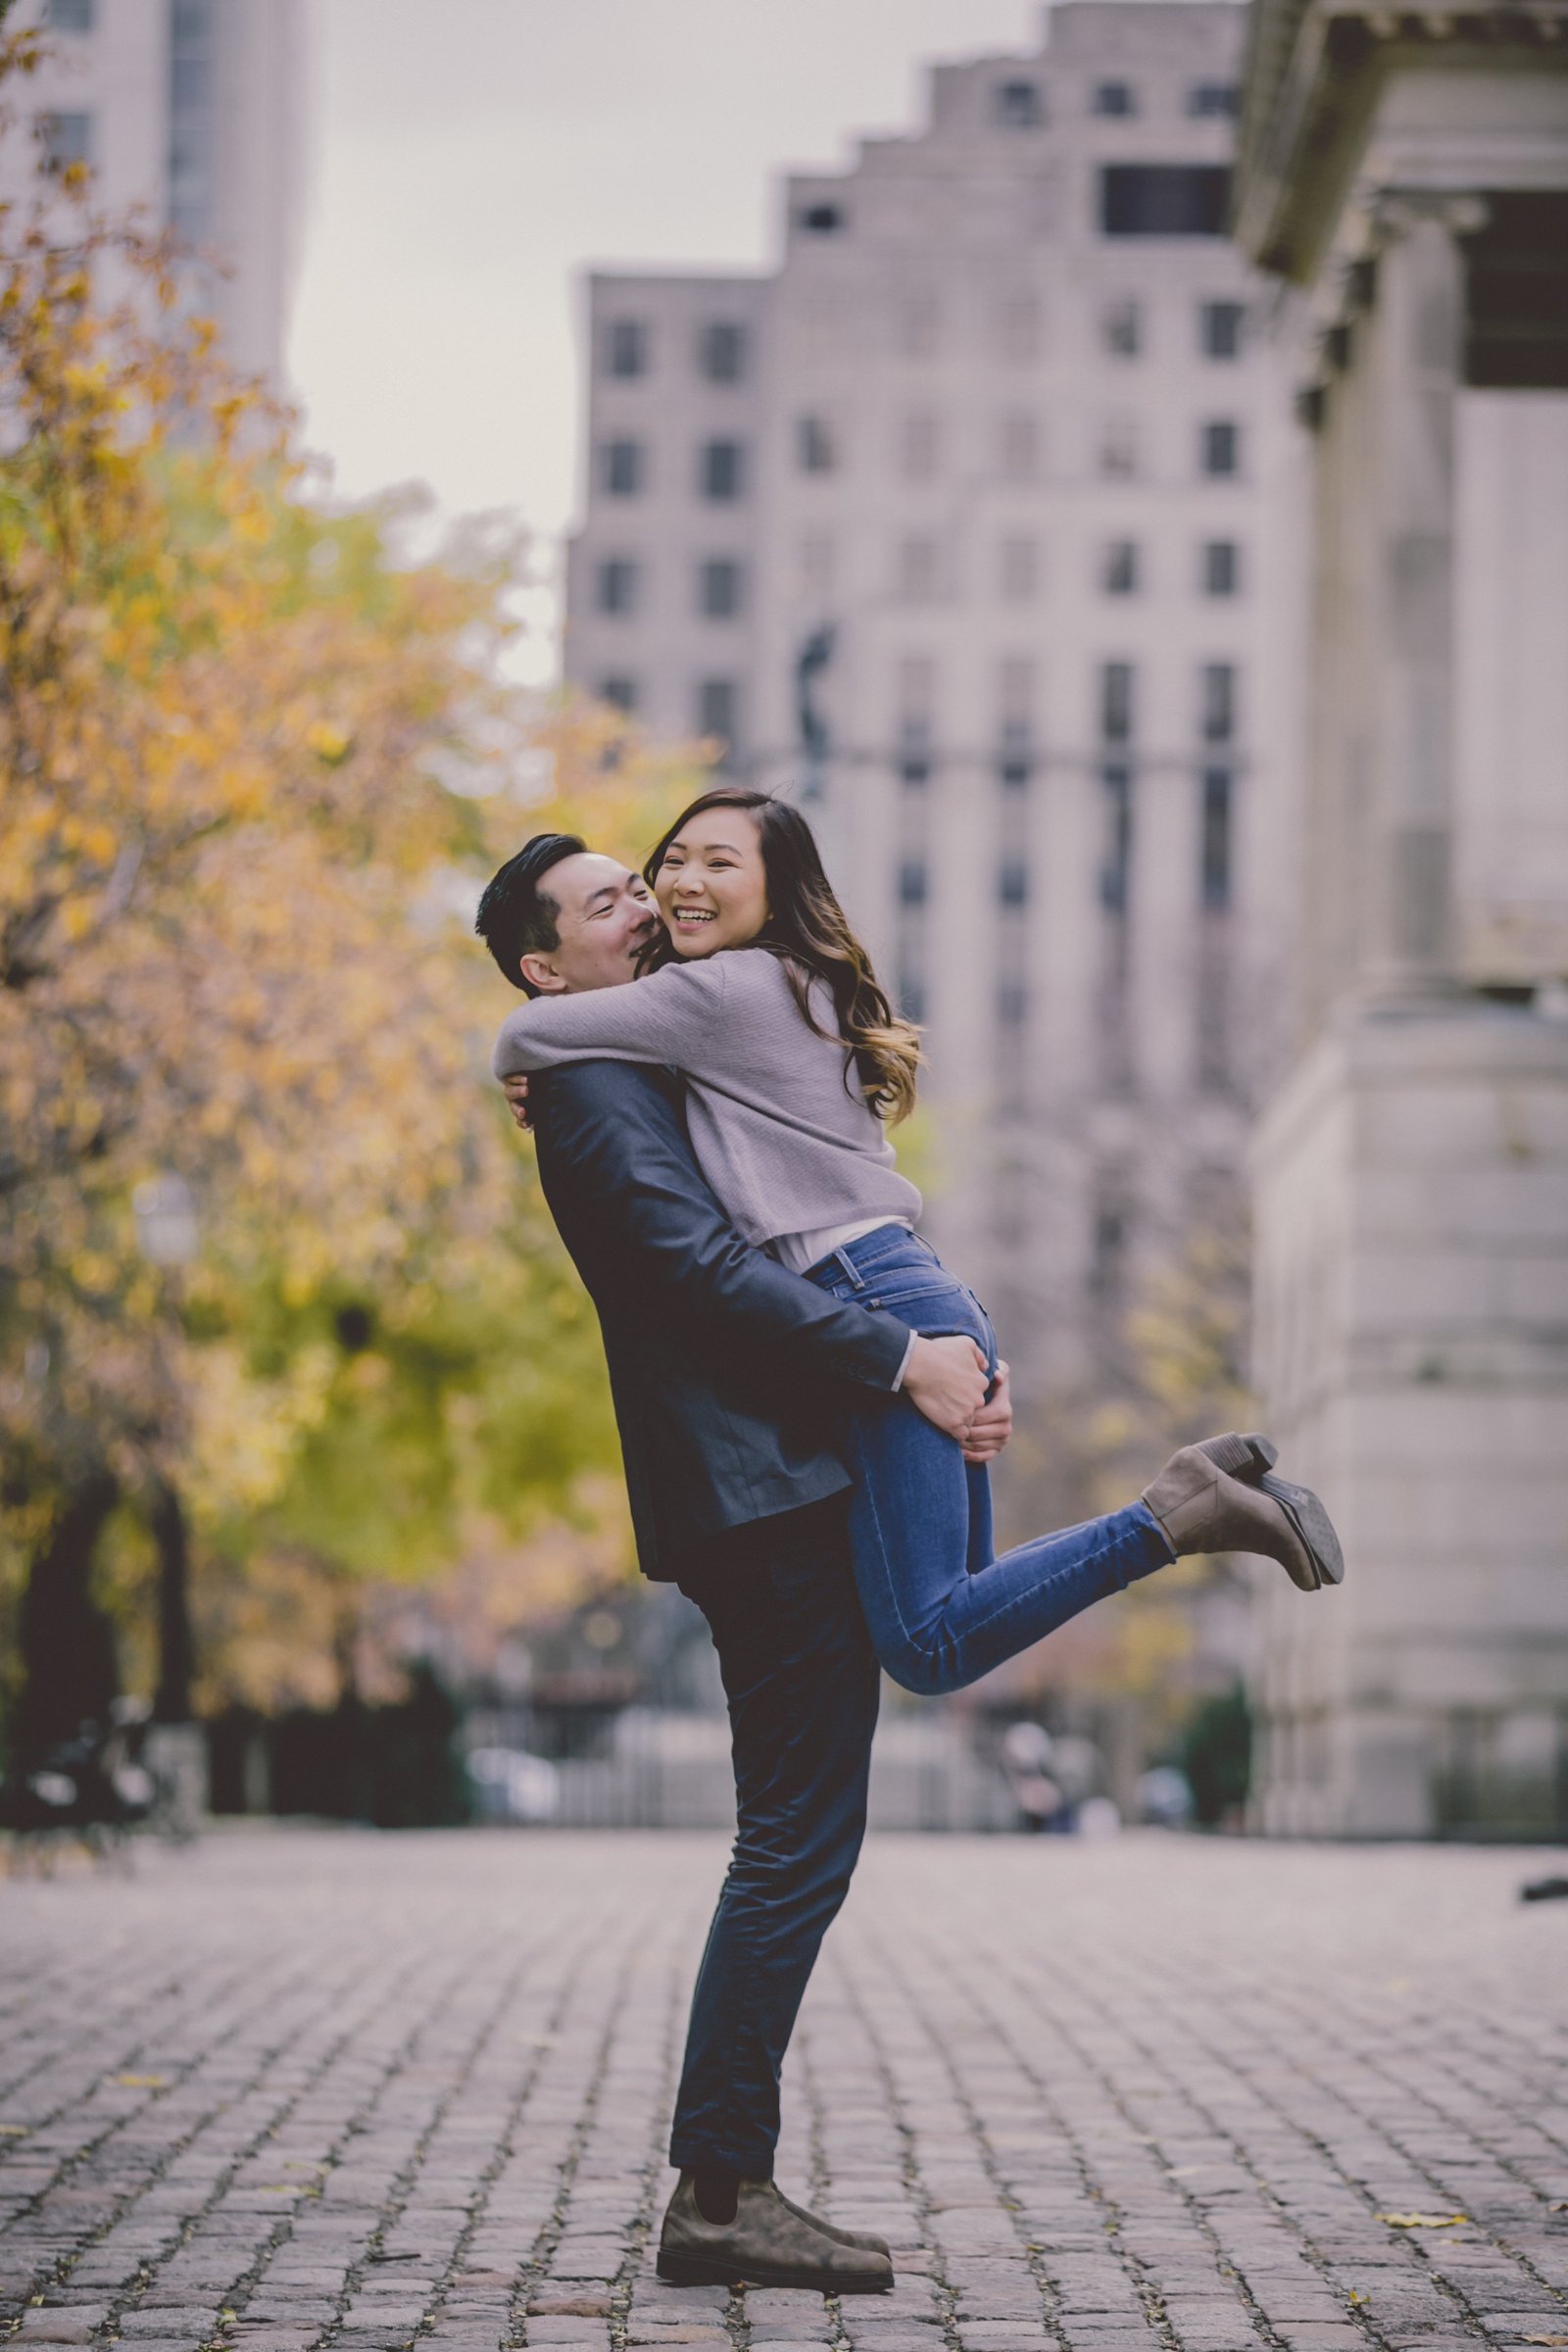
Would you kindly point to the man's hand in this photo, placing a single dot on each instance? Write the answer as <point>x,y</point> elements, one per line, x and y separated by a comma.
<point>515,1091</point>
<point>945,1379</point>
<point>992,1425</point>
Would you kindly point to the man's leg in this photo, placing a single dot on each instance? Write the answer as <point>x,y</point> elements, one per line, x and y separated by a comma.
<point>802,1680</point>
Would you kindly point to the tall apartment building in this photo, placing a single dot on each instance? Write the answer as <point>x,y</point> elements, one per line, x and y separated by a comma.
<point>192,110</point>
<point>951,528</point>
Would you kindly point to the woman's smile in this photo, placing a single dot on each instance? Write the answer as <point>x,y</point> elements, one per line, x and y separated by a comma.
<point>711,886</point>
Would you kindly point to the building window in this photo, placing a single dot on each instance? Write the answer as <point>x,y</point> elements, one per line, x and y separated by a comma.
<point>1218,702</point>
<point>919,446</point>
<point>626,349</point>
<point>1012,1004</point>
<point>70,16</point>
<point>1118,448</point>
<point>1013,773</point>
<point>1116,864</point>
<point>622,465</point>
<point>1116,702</point>
<point>917,569</point>
<point>1164,200</point>
<point>718,701</point>
<point>821,219</point>
<point>721,351</point>
<point>1213,98</point>
<point>721,470</point>
<point>1219,329</point>
<point>1017,328</point>
<point>1018,570</point>
<point>619,693</point>
<point>1121,329</point>
<point>818,564</point>
<point>1016,699</point>
<point>1214,838</point>
<point>917,325</point>
<point>913,882</point>
<point>912,995</point>
<point>814,445</point>
<point>917,695</point>
<point>914,772</point>
<point>1017,105</point>
<point>1019,446</point>
<point>1222,567</point>
<point>1012,883</point>
<point>192,125</point>
<point>67,140</point>
<point>718,588</point>
<point>616,585</point>
<point>1119,573</point>
<point>1114,98</point>
<point>1220,448</point>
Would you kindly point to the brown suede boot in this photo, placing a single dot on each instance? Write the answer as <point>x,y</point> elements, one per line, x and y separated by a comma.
<point>768,2243</point>
<point>1204,1505</point>
<point>867,2239</point>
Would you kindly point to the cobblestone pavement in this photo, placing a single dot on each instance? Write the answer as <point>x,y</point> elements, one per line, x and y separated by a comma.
<point>327,2088</point>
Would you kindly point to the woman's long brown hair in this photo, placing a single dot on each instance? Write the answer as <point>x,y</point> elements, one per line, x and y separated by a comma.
<point>808,931</point>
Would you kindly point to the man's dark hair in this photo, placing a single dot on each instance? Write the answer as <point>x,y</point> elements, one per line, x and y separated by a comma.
<point>517,917</point>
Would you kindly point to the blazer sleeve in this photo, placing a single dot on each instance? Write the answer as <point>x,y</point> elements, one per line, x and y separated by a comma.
<point>613,1138</point>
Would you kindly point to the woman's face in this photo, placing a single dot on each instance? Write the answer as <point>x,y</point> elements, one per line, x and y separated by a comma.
<point>711,889</point>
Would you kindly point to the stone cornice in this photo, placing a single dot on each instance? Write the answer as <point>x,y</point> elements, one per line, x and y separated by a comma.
<point>1314,69</point>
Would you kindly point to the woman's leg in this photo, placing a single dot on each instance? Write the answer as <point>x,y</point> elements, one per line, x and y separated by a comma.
<point>940,1609</point>
<point>939,1616</point>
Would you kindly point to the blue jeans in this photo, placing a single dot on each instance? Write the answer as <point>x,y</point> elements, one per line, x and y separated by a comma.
<point>941,1611</point>
<point>803,1685</point>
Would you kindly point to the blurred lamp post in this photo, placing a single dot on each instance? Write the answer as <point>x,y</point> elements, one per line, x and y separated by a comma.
<point>168,1233</point>
<point>815,655</point>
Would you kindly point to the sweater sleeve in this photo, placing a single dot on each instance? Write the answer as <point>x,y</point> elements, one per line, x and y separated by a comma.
<point>672,1018</point>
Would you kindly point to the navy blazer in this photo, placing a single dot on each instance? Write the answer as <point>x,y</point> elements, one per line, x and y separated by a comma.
<point>722,1364</point>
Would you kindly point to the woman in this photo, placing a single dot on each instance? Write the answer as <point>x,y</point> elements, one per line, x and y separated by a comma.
<point>759,992</point>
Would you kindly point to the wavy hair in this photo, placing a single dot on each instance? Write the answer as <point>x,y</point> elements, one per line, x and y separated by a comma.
<point>809,933</point>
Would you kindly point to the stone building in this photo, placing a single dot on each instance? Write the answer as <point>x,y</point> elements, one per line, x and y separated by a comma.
<point>1406,176</point>
<point>193,110</point>
<point>950,524</point>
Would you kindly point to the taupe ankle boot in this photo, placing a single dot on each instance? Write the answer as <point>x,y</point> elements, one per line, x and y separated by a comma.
<point>1222,1497</point>
<point>768,2243</point>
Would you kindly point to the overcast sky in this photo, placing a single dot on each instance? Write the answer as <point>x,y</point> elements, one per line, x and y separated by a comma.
<point>468,161</point>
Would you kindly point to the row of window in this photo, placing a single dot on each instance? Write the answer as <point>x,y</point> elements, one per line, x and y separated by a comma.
<point>1134,200</point>
<point>720,350</point>
<point>716,712</point>
<point>1217,702</point>
<point>718,587</point>
<point>720,470</point>
<point>1013,880</point>
<point>1020,104</point>
<point>1019,448</point>
<point>626,349</point>
<point>921,575</point>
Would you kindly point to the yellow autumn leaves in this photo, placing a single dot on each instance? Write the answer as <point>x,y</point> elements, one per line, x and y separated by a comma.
<point>234,956</point>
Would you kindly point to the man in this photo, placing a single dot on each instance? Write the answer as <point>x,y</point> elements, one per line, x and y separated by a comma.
<point>723,1366</point>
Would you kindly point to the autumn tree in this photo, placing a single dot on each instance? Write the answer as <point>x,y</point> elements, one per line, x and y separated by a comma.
<point>247,756</point>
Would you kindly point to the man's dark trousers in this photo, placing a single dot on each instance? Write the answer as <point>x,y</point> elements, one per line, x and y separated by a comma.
<point>803,1683</point>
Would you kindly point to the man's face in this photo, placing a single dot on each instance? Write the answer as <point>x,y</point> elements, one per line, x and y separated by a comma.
<point>606,918</point>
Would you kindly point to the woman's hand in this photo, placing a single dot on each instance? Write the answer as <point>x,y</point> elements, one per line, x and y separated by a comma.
<point>945,1379</point>
<point>992,1425</point>
<point>515,1091</point>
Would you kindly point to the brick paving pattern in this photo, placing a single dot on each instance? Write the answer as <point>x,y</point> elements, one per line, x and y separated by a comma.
<point>297,2089</point>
